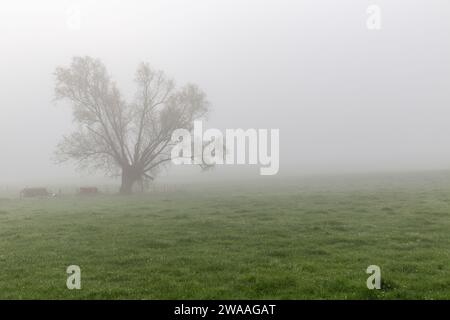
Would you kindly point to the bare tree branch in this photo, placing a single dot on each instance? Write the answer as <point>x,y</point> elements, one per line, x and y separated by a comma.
<point>114,135</point>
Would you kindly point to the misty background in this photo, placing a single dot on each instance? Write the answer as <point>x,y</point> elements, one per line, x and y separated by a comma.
<point>345,98</point>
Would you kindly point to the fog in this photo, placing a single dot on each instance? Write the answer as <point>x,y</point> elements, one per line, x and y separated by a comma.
<point>345,98</point>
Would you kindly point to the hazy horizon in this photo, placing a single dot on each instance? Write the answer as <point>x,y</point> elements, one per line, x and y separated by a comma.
<point>346,99</point>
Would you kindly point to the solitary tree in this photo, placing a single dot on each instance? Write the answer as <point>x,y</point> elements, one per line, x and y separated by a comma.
<point>128,139</point>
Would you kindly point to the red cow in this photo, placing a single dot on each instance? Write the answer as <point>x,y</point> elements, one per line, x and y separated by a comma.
<point>88,191</point>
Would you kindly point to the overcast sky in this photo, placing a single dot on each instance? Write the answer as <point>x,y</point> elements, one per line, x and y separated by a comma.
<point>345,98</point>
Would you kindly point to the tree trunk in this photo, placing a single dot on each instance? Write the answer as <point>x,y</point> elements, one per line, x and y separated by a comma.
<point>129,178</point>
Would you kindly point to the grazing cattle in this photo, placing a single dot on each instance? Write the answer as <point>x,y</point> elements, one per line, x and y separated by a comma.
<point>34,192</point>
<point>88,191</point>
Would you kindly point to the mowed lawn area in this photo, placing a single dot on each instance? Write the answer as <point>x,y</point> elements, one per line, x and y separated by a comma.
<point>305,239</point>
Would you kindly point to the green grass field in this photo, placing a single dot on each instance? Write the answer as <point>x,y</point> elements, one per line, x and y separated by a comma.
<point>294,239</point>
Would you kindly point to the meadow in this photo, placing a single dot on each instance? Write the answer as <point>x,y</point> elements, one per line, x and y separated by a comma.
<point>292,238</point>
